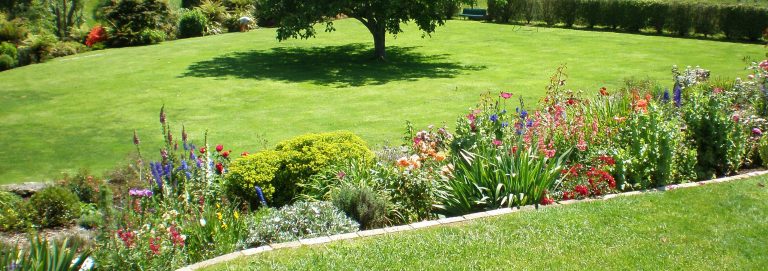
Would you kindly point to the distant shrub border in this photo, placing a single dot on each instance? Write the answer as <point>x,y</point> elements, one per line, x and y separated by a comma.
<point>736,22</point>
<point>448,220</point>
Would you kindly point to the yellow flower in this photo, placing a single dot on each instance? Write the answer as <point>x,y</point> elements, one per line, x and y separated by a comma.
<point>237,215</point>
<point>219,215</point>
<point>224,226</point>
<point>218,206</point>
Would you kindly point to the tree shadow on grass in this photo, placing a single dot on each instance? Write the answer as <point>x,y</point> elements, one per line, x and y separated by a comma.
<point>339,66</point>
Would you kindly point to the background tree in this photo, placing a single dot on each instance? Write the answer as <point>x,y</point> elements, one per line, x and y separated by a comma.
<point>67,14</point>
<point>296,18</point>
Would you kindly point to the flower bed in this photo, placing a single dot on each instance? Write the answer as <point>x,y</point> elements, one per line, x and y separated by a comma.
<point>197,201</point>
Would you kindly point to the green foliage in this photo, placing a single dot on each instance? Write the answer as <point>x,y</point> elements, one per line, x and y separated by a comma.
<point>306,155</point>
<point>40,48</point>
<point>547,11</point>
<point>83,185</point>
<point>67,48</point>
<point>192,23</point>
<point>54,206</point>
<point>762,149</point>
<point>257,169</point>
<point>650,148</point>
<point>705,19</point>
<point>633,15</point>
<point>494,178</point>
<point>720,138</point>
<point>222,233</point>
<point>657,15</point>
<point>299,220</point>
<point>680,18</point>
<point>90,216</point>
<point>44,255</point>
<point>67,15</point>
<point>11,31</point>
<point>296,18</point>
<point>139,22</point>
<point>6,62</point>
<point>12,212</point>
<point>589,12</point>
<point>565,11</point>
<point>363,205</point>
<point>738,22</point>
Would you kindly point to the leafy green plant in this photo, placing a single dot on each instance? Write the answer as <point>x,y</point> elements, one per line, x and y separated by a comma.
<point>496,178</point>
<point>12,212</point>
<point>82,184</point>
<point>54,206</point>
<point>299,220</point>
<point>138,22</point>
<point>6,62</point>
<point>44,255</point>
<point>192,23</point>
<point>90,216</point>
<point>363,205</point>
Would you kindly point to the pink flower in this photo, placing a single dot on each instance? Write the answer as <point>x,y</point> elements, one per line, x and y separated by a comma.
<point>550,153</point>
<point>496,142</point>
<point>219,148</point>
<point>757,131</point>
<point>471,117</point>
<point>751,76</point>
<point>736,118</point>
<point>505,95</point>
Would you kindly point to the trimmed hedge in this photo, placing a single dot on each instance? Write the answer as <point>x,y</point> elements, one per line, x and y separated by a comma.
<point>734,21</point>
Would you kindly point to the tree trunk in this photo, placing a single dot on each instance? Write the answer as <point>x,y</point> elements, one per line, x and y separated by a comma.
<point>379,42</point>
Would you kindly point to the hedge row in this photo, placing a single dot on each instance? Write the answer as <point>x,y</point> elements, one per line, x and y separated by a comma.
<point>734,21</point>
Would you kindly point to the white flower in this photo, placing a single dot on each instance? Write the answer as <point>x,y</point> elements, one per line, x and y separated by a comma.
<point>202,222</point>
<point>87,264</point>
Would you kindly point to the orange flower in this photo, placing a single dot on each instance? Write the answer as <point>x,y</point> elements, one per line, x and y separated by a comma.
<point>439,157</point>
<point>641,105</point>
<point>603,91</point>
<point>403,162</point>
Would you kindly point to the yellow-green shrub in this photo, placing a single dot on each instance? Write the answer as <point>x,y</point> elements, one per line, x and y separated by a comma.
<point>306,155</point>
<point>258,169</point>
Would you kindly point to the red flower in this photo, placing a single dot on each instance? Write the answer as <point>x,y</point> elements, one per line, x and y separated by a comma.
<point>127,236</point>
<point>496,142</point>
<point>546,201</point>
<point>607,160</point>
<point>582,190</point>
<point>219,168</point>
<point>154,245</point>
<point>567,195</point>
<point>225,154</point>
<point>571,101</point>
<point>97,34</point>
<point>244,154</point>
<point>603,91</point>
<point>202,150</point>
<point>219,148</point>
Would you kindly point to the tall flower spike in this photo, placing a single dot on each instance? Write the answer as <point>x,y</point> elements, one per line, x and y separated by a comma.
<point>136,140</point>
<point>183,134</point>
<point>665,97</point>
<point>678,95</point>
<point>261,196</point>
<point>162,114</point>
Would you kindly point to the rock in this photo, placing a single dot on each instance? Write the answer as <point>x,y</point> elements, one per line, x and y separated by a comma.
<point>25,190</point>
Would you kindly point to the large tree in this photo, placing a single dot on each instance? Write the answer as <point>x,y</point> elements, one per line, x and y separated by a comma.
<point>296,18</point>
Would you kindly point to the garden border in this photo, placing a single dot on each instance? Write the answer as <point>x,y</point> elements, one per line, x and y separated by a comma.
<point>446,221</point>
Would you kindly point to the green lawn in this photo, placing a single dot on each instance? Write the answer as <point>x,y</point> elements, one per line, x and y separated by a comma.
<point>80,111</point>
<point>712,227</point>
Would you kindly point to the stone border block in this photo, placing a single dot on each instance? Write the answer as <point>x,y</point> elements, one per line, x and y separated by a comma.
<point>373,232</point>
<point>344,236</point>
<point>315,241</point>
<point>424,224</point>
<point>502,211</point>
<point>253,251</point>
<point>398,228</point>
<point>476,215</point>
<point>450,220</point>
<point>293,244</point>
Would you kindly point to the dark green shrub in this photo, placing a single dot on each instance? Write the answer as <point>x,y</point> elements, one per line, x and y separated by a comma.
<point>657,15</point>
<point>6,62</point>
<point>589,12</point>
<point>190,3</point>
<point>738,22</point>
<point>528,9</point>
<point>257,169</point>
<point>139,22</point>
<point>633,17</point>
<point>90,217</point>
<point>547,12</point>
<point>363,205</point>
<point>565,11</point>
<point>297,221</point>
<point>40,47</point>
<point>680,18</point>
<point>498,12</point>
<point>705,19</point>
<point>54,206</point>
<point>611,11</point>
<point>12,212</point>
<point>306,155</point>
<point>192,24</point>
<point>12,31</point>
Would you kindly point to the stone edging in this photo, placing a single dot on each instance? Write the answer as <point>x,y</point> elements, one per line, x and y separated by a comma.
<point>443,221</point>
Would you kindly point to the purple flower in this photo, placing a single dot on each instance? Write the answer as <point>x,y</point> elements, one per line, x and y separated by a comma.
<point>678,93</point>
<point>164,154</point>
<point>156,172</point>
<point>494,117</point>
<point>523,114</point>
<point>757,132</point>
<point>139,193</point>
<point>261,196</point>
<point>665,97</point>
<point>504,124</point>
<point>529,124</point>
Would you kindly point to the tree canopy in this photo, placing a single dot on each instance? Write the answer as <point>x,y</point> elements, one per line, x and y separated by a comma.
<point>297,18</point>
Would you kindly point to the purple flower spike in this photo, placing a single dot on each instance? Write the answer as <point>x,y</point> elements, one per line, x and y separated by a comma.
<point>261,196</point>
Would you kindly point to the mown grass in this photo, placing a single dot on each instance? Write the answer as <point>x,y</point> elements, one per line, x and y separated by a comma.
<point>247,88</point>
<point>712,227</point>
